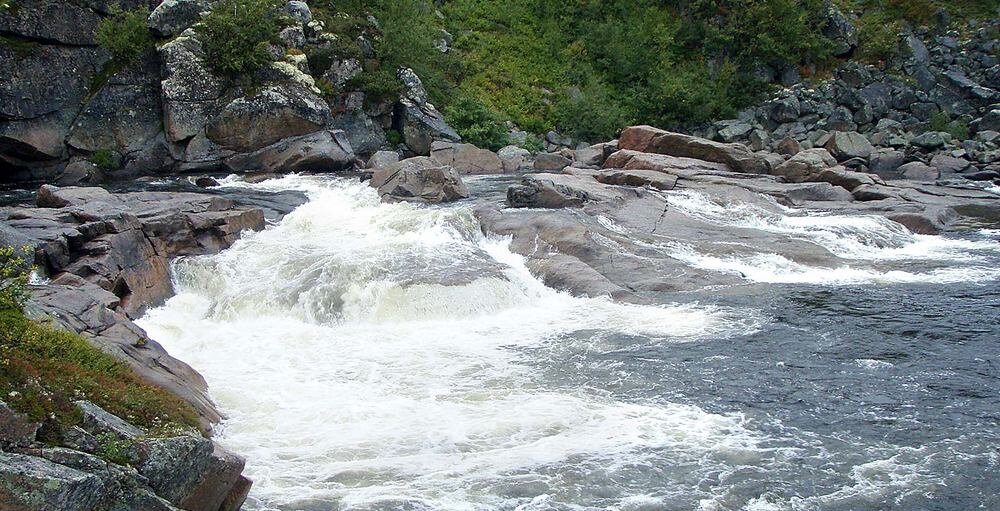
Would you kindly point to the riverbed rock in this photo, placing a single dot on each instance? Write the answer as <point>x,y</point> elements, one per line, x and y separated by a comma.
<point>844,145</point>
<point>918,171</point>
<point>514,158</point>
<point>648,139</point>
<point>805,165</point>
<point>422,125</point>
<point>466,158</point>
<point>191,472</point>
<point>551,162</point>
<point>419,179</point>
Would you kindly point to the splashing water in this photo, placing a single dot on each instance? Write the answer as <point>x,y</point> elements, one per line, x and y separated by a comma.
<point>375,356</point>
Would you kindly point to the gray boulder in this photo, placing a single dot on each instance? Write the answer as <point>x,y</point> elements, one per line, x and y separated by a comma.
<point>466,158</point>
<point>171,17</point>
<point>850,144</point>
<point>514,158</point>
<point>96,421</point>
<point>192,473</point>
<point>840,31</point>
<point>918,171</point>
<point>30,483</point>
<point>65,23</point>
<point>278,112</point>
<point>930,140</point>
<point>323,151</point>
<point>298,11</point>
<point>550,162</point>
<point>190,92</point>
<point>884,162</point>
<point>805,165</point>
<point>738,157</point>
<point>419,179</point>
<point>422,125</point>
<point>383,159</point>
<point>16,430</point>
<point>949,164</point>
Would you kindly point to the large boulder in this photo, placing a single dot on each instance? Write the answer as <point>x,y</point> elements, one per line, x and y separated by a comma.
<point>805,165</point>
<point>844,145</point>
<point>514,158</point>
<point>30,483</point>
<point>16,430</point>
<point>738,157</point>
<point>551,162</point>
<point>918,171</point>
<point>171,17</point>
<point>323,151</point>
<point>543,191</point>
<point>193,473</point>
<point>422,125</point>
<point>191,93</point>
<point>277,112</point>
<point>419,179</point>
<point>841,32</point>
<point>466,158</point>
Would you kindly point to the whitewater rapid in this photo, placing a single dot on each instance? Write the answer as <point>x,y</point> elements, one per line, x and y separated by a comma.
<point>386,356</point>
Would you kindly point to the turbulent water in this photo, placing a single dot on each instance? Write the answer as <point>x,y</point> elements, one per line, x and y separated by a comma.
<point>389,356</point>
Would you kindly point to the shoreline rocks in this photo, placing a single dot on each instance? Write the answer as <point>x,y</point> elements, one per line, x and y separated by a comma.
<point>105,256</point>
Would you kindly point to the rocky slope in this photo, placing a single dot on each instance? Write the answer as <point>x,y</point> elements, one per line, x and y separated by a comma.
<point>64,120</point>
<point>105,259</point>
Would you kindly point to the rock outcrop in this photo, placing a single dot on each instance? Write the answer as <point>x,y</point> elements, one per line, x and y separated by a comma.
<point>65,102</point>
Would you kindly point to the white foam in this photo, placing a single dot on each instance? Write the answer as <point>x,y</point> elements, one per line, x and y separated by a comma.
<point>859,237</point>
<point>355,367</point>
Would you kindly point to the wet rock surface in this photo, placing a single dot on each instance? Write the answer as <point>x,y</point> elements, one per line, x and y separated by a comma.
<point>625,230</point>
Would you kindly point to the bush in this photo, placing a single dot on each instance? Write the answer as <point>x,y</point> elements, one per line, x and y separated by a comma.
<point>476,123</point>
<point>533,144</point>
<point>957,128</point>
<point>125,34</point>
<point>236,34</point>
<point>878,37</point>
<point>15,269</point>
<point>106,160</point>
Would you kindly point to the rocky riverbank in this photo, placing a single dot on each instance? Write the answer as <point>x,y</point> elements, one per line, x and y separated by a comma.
<point>103,258</point>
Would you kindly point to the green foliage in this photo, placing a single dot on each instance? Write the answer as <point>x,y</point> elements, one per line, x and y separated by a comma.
<point>15,269</point>
<point>403,37</point>
<point>125,34</point>
<point>533,144</point>
<point>476,123</point>
<point>393,137</point>
<point>106,159</point>
<point>236,34</point>
<point>878,37</point>
<point>44,369</point>
<point>590,67</point>
<point>941,121</point>
<point>326,89</point>
<point>112,449</point>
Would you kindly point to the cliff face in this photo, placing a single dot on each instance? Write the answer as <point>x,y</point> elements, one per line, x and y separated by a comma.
<point>72,113</point>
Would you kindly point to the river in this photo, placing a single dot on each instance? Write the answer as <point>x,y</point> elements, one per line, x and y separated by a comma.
<point>375,356</point>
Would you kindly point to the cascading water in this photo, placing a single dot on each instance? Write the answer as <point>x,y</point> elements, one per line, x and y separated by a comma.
<point>389,356</point>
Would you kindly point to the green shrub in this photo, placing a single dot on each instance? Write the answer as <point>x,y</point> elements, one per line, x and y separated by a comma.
<point>125,34</point>
<point>941,121</point>
<point>15,268</point>
<point>112,449</point>
<point>476,123</point>
<point>326,89</point>
<point>106,160</point>
<point>533,144</point>
<point>236,34</point>
<point>878,37</point>
<point>393,137</point>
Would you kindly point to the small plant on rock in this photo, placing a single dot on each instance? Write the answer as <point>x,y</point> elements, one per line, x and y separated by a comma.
<point>125,34</point>
<point>106,160</point>
<point>15,270</point>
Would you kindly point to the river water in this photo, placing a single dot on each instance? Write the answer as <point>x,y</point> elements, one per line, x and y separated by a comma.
<point>377,356</point>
